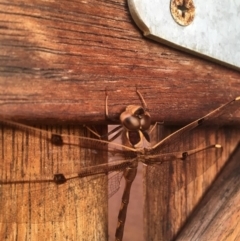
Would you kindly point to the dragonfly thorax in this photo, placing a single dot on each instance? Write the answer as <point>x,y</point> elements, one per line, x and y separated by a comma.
<point>137,138</point>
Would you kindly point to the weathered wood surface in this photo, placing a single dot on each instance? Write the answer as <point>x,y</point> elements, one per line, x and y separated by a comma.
<point>71,211</point>
<point>217,215</point>
<point>166,211</point>
<point>57,58</point>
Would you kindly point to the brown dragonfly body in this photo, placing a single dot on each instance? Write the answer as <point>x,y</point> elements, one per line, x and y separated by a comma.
<point>135,125</point>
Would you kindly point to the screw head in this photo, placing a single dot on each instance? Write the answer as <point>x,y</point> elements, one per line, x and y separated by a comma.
<point>183,11</point>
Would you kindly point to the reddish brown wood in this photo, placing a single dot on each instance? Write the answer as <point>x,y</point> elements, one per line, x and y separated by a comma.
<point>57,59</point>
<point>217,215</point>
<point>166,212</point>
<point>76,214</point>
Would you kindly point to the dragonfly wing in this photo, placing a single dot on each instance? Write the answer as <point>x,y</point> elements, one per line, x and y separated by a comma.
<point>177,186</point>
<point>114,183</point>
<point>42,202</point>
<point>59,139</point>
<point>175,171</point>
<point>29,163</point>
<point>198,134</point>
<point>172,141</point>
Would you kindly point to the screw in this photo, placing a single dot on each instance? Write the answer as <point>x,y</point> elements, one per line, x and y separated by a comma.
<point>183,11</point>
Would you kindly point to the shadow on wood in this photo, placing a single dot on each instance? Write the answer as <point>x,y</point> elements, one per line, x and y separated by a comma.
<point>166,209</point>
<point>217,215</point>
<point>76,210</point>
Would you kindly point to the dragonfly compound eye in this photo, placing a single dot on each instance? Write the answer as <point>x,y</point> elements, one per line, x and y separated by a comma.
<point>145,122</point>
<point>131,123</point>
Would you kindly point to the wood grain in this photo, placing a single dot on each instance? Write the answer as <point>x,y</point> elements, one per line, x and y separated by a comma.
<point>217,215</point>
<point>166,210</point>
<point>57,58</point>
<point>72,211</point>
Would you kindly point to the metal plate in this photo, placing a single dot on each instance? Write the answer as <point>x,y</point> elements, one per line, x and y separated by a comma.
<point>213,32</point>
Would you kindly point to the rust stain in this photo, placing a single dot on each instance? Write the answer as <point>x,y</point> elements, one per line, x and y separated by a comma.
<point>183,11</point>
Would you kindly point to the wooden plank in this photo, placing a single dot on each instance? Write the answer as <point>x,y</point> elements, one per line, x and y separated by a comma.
<point>75,210</point>
<point>167,208</point>
<point>219,208</point>
<point>57,59</point>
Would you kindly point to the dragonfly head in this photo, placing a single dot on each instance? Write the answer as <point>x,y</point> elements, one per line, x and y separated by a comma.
<point>135,118</point>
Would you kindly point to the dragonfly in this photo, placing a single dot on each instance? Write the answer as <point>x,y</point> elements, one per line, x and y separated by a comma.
<point>135,129</point>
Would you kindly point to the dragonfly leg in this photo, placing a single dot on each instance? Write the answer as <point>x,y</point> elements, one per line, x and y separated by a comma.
<point>106,110</point>
<point>154,126</point>
<point>117,129</point>
<point>94,132</point>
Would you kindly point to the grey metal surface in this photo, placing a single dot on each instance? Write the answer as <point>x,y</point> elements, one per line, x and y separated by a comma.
<point>214,32</point>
